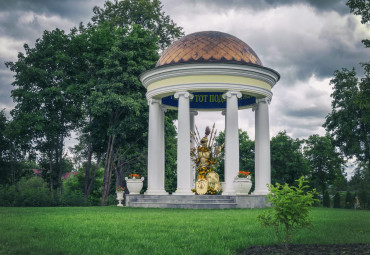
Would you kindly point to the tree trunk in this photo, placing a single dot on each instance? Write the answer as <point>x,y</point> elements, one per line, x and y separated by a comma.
<point>59,160</point>
<point>108,169</point>
<point>119,175</point>
<point>93,176</point>
<point>87,172</point>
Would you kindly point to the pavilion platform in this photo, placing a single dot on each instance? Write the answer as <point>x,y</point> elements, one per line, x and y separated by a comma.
<point>196,201</point>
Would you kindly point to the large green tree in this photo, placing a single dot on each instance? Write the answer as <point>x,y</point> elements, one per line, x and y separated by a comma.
<point>326,164</point>
<point>147,13</point>
<point>45,112</point>
<point>347,121</point>
<point>287,160</point>
<point>115,91</point>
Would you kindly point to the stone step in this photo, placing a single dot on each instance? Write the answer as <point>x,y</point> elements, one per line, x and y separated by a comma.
<point>214,201</point>
<point>182,197</point>
<point>181,201</point>
<point>184,205</point>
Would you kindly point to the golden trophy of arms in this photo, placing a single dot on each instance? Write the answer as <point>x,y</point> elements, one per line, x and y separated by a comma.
<point>214,181</point>
<point>201,186</point>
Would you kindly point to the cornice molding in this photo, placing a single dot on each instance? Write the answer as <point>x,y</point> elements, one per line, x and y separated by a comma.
<point>267,75</point>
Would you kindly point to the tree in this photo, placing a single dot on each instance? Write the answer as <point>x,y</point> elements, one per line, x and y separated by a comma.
<point>362,8</point>
<point>326,164</point>
<point>287,160</point>
<point>326,199</point>
<point>336,200</point>
<point>45,112</point>
<point>146,13</point>
<point>5,148</point>
<point>290,209</point>
<point>346,121</point>
<point>116,65</point>
<point>119,97</point>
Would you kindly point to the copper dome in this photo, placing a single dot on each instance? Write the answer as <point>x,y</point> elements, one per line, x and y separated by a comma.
<point>209,47</point>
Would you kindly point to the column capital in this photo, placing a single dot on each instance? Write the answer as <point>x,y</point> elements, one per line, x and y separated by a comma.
<point>232,93</point>
<point>183,94</point>
<point>163,108</point>
<point>194,112</point>
<point>265,100</point>
<point>154,101</point>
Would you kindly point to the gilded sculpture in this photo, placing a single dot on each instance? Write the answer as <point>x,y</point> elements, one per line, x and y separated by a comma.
<point>205,156</point>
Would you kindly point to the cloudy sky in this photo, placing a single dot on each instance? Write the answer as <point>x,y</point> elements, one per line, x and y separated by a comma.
<point>304,40</point>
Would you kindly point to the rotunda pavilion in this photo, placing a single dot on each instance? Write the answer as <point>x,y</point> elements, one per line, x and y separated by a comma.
<point>208,71</point>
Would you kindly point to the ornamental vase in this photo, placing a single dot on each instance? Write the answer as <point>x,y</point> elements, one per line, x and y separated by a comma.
<point>134,185</point>
<point>242,186</point>
<point>119,197</point>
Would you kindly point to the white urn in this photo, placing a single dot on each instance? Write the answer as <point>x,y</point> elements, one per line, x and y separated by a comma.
<point>134,185</point>
<point>119,197</point>
<point>242,186</point>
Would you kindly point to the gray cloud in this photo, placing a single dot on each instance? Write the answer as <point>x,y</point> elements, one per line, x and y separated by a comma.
<point>319,5</point>
<point>67,8</point>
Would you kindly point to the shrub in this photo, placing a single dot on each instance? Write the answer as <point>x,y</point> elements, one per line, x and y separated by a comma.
<point>326,199</point>
<point>290,209</point>
<point>364,199</point>
<point>72,192</point>
<point>336,200</point>
<point>32,192</point>
<point>349,201</point>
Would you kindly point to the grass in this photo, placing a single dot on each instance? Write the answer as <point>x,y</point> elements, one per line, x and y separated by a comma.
<point>113,230</point>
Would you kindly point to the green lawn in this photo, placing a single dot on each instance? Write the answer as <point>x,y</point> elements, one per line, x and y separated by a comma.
<point>113,230</point>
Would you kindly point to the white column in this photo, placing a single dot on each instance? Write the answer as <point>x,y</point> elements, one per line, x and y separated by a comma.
<point>262,147</point>
<point>231,141</point>
<point>183,144</point>
<point>193,113</point>
<point>156,149</point>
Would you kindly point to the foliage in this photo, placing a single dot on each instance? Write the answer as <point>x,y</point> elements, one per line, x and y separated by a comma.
<point>364,199</point>
<point>290,209</point>
<point>145,13</point>
<point>327,166</point>
<point>362,8</point>
<point>26,192</point>
<point>212,191</point>
<point>120,188</point>
<point>337,200</point>
<point>45,111</point>
<point>246,153</point>
<point>287,160</point>
<point>171,152</point>
<point>346,121</point>
<point>348,201</point>
<point>326,199</point>
<point>72,192</point>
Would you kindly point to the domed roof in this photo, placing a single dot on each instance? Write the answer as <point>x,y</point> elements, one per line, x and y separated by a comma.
<point>209,47</point>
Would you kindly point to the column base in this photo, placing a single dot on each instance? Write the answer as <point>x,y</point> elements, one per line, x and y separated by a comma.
<point>156,192</point>
<point>261,192</point>
<point>183,192</point>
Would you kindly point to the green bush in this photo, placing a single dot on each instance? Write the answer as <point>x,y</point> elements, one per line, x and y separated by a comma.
<point>72,192</point>
<point>336,200</point>
<point>326,199</point>
<point>290,209</point>
<point>364,199</point>
<point>349,201</point>
<point>8,195</point>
